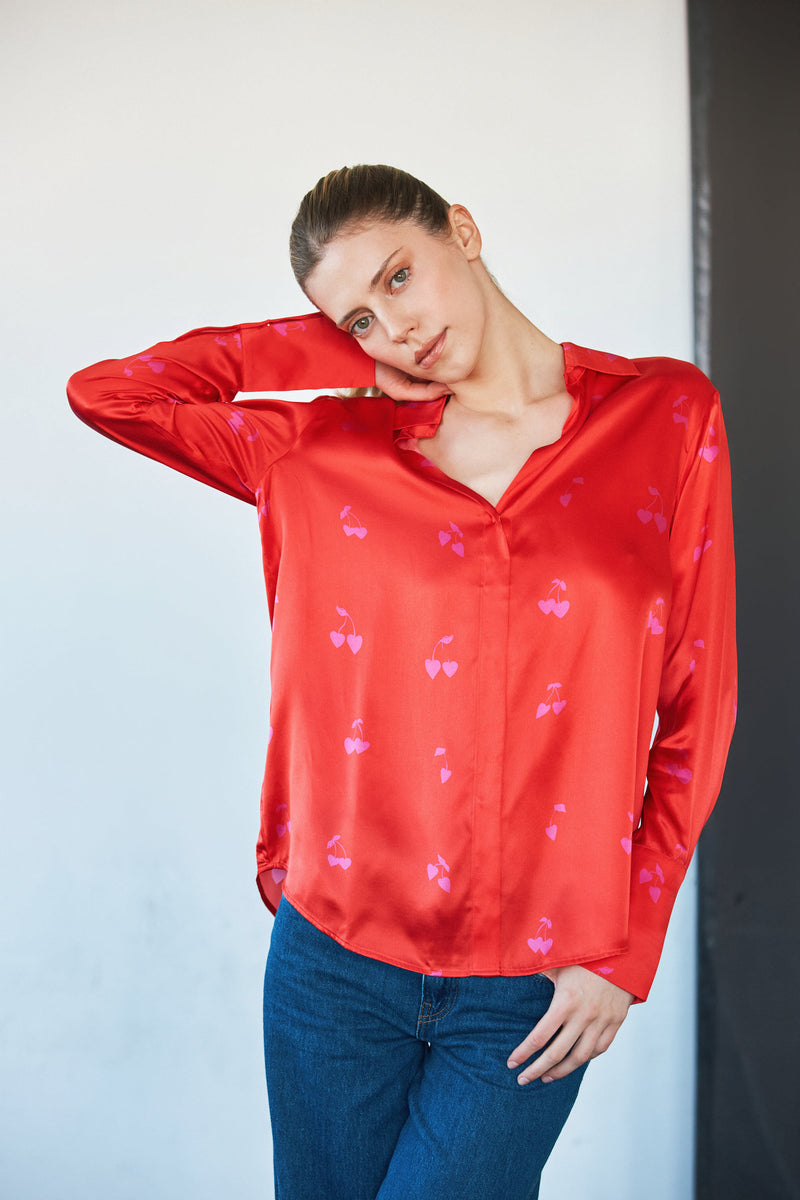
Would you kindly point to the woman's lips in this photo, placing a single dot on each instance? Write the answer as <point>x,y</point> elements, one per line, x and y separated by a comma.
<point>430,352</point>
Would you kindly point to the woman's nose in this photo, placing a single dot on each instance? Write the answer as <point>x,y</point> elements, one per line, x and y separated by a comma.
<point>398,326</point>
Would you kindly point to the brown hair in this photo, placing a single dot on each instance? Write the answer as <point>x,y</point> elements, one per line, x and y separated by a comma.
<point>344,198</point>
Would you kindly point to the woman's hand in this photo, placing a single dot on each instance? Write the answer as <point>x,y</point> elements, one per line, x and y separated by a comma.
<point>399,386</point>
<point>583,1018</point>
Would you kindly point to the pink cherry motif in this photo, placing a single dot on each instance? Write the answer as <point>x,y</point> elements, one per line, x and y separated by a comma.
<point>682,774</point>
<point>704,544</point>
<point>284,825</point>
<point>541,944</point>
<point>648,514</point>
<point>626,844</point>
<point>654,620</point>
<point>284,327</point>
<point>221,341</point>
<point>262,505</point>
<point>354,640</point>
<point>680,411</point>
<point>356,744</point>
<point>698,644</point>
<point>240,424</point>
<point>278,874</point>
<point>339,855</point>
<point>444,772</point>
<point>352,527</point>
<point>432,664</point>
<point>707,451</point>
<point>604,970</point>
<point>646,876</point>
<point>565,497</point>
<point>552,829</point>
<point>553,701</point>
<point>153,363</point>
<point>269,735</point>
<point>454,538</point>
<point>440,872</point>
<point>554,604</point>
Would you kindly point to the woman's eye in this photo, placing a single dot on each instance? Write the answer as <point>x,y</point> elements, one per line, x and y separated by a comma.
<point>400,276</point>
<point>361,325</point>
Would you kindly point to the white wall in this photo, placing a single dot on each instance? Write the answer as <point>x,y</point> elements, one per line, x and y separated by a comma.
<point>157,150</point>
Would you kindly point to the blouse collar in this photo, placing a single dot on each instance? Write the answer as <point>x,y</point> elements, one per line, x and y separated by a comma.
<point>421,418</point>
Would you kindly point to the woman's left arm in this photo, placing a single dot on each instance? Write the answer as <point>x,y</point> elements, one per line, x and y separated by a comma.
<point>696,718</point>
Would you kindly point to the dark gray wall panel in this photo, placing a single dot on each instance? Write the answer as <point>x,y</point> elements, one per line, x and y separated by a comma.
<point>745,74</point>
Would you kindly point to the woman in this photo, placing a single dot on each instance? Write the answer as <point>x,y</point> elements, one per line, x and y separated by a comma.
<point>484,583</point>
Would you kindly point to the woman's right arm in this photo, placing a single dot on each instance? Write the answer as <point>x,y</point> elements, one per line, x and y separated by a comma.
<point>173,401</point>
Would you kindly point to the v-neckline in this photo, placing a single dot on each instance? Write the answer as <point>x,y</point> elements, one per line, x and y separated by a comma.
<point>430,421</point>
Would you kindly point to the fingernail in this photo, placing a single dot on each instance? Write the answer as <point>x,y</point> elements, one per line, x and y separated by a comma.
<point>547,1079</point>
<point>513,1062</point>
<point>522,1080</point>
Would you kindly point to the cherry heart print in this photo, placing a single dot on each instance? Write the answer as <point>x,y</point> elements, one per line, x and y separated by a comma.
<point>541,944</point>
<point>707,451</point>
<point>433,666</point>
<point>454,538</point>
<point>552,701</point>
<point>654,511</point>
<point>440,872</point>
<point>553,602</point>
<point>356,744</point>
<point>338,856</point>
<point>354,640</point>
<point>444,772</point>
<point>352,526</point>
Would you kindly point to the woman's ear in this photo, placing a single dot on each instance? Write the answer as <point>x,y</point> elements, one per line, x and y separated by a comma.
<point>465,231</point>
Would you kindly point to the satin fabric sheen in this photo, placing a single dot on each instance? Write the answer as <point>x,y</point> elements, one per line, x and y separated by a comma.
<point>459,775</point>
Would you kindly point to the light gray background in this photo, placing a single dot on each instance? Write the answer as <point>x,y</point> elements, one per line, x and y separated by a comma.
<point>155,154</point>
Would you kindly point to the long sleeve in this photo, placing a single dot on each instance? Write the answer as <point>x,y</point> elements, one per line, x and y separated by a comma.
<point>696,703</point>
<point>173,402</point>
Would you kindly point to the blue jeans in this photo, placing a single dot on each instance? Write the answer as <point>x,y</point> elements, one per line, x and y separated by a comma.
<point>385,1084</point>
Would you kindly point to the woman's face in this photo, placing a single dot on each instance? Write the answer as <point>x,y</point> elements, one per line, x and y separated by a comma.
<point>411,299</point>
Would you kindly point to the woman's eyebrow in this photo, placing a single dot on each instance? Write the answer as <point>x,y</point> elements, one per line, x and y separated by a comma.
<point>376,278</point>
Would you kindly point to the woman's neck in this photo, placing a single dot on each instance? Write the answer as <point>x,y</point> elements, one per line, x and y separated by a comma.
<point>518,364</point>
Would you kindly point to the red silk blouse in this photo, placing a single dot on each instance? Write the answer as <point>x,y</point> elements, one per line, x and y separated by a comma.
<point>459,775</point>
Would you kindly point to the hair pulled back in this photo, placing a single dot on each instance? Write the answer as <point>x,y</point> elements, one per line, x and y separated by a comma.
<point>344,198</point>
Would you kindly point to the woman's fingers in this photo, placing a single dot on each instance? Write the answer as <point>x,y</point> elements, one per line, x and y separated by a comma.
<point>574,1046</point>
<point>399,386</point>
<point>538,1037</point>
<point>582,1021</point>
